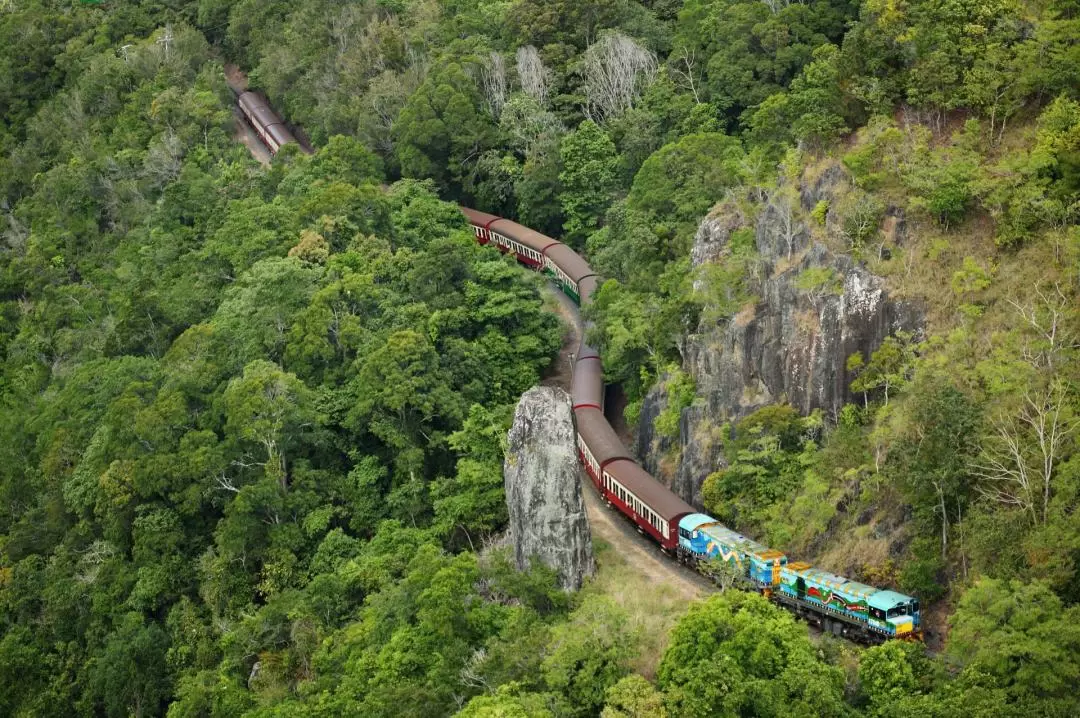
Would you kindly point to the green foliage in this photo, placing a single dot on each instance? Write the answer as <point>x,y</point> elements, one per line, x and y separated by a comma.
<point>889,367</point>
<point>226,391</point>
<point>441,127</point>
<point>812,111</point>
<point>894,672</point>
<point>209,441</point>
<point>589,177</point>
<point>748,51</point>
<point>819,282</point>
<point>507,702</point>
<point>680,182</point>
<point>680,394</point>
<point>1023,638</point>
<point>767,451</point>
<point>820,211</point>
<point>931,463</point>
<point>736,654</point>
<point>589,656</point>
<point>633,697</point>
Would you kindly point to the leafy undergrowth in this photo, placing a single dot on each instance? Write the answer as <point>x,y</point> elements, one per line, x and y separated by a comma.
<point>652,607</point>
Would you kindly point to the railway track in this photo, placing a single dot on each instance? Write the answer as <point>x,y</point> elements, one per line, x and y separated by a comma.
<point>838,605</point>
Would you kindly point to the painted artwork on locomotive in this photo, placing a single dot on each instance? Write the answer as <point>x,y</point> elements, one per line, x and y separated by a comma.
<point>706,538</point>
<point>887,612</point>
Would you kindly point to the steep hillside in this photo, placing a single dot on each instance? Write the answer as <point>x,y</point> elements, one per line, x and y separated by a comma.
<point>885,294</point>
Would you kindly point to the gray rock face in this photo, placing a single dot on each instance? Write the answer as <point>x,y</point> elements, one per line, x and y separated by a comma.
<point>791,347</point>
<point>543,493</point>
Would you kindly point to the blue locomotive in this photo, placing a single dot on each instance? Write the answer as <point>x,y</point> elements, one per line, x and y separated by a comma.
<point>840,606</point>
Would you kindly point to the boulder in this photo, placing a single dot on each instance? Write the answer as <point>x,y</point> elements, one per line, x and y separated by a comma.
<point>543,488</point>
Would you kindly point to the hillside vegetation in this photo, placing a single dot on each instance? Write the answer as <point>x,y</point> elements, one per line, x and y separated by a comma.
<point>251,418</point>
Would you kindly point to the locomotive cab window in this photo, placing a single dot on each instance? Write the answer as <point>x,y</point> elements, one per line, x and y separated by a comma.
<point>877,613</point>
<point>897,611</point>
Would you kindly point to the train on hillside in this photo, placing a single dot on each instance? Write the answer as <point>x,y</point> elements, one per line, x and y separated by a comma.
<point>838,605</point>
<point>269,127</point>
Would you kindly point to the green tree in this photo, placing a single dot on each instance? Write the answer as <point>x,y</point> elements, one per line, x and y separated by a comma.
<point>588,655</point>
<point>894,672</point>
<point>681,181</point>
<point>589,178</point>
<point>736,654</point>
<point>1024,638</point>
<point>889,367</point>
<point>273,410</point>
<point>129,676</point>
<point>442,129</point>
<point>507,702</point>
<point>633,697</point>
<point>931,461</point>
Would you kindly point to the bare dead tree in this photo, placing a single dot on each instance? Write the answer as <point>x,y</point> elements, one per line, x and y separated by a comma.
<point>776,6</point>
<point>93,557</point>
<point>165,39</point>
<point>1046,315</point>
<point>493,82</point>
<point>533,76</point>
<point>471,674</point>
<point>616,70</point>
<point>1017,467</point>
<point>783,207</point>
<point>16,234</point>
<point>163,159</point>
<point>342,24</point>
<point>684,69</point>
<point>226,483</point>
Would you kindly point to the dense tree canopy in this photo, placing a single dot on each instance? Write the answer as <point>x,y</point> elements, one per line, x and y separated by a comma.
<point>251,416</point>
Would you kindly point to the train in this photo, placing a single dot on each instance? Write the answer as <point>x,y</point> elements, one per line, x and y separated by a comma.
<point>838,605</point>
<point>269,127</point>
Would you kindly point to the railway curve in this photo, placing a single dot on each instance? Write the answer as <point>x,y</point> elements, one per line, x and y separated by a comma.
<point>836,604</point>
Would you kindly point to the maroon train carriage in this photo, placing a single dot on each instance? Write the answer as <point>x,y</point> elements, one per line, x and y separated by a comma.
<point>568,268</point>
<point>652,506</point>
<point>480,222</point>
<point>587,390</point>
<point>587,286</point>
<point>585,351</point>
<point>527,244</point>
<point>270,128</point>
<point>597,443</point>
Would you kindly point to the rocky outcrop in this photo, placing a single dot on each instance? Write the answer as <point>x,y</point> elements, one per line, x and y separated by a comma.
<point>814,309</point>
<point>543,492</point>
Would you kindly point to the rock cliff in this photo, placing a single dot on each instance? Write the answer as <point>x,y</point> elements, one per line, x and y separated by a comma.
<point>791,345</point>
<point>543,491</point>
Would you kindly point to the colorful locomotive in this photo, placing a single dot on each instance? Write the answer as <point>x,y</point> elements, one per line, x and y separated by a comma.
<point>839,606</point>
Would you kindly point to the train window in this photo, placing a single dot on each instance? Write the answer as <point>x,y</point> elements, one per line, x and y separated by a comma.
<point>877,613</point>
<point>914,607</point>
<point>897,611</point>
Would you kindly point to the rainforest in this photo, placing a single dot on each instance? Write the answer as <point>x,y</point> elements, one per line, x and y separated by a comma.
<point>254,408</point>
